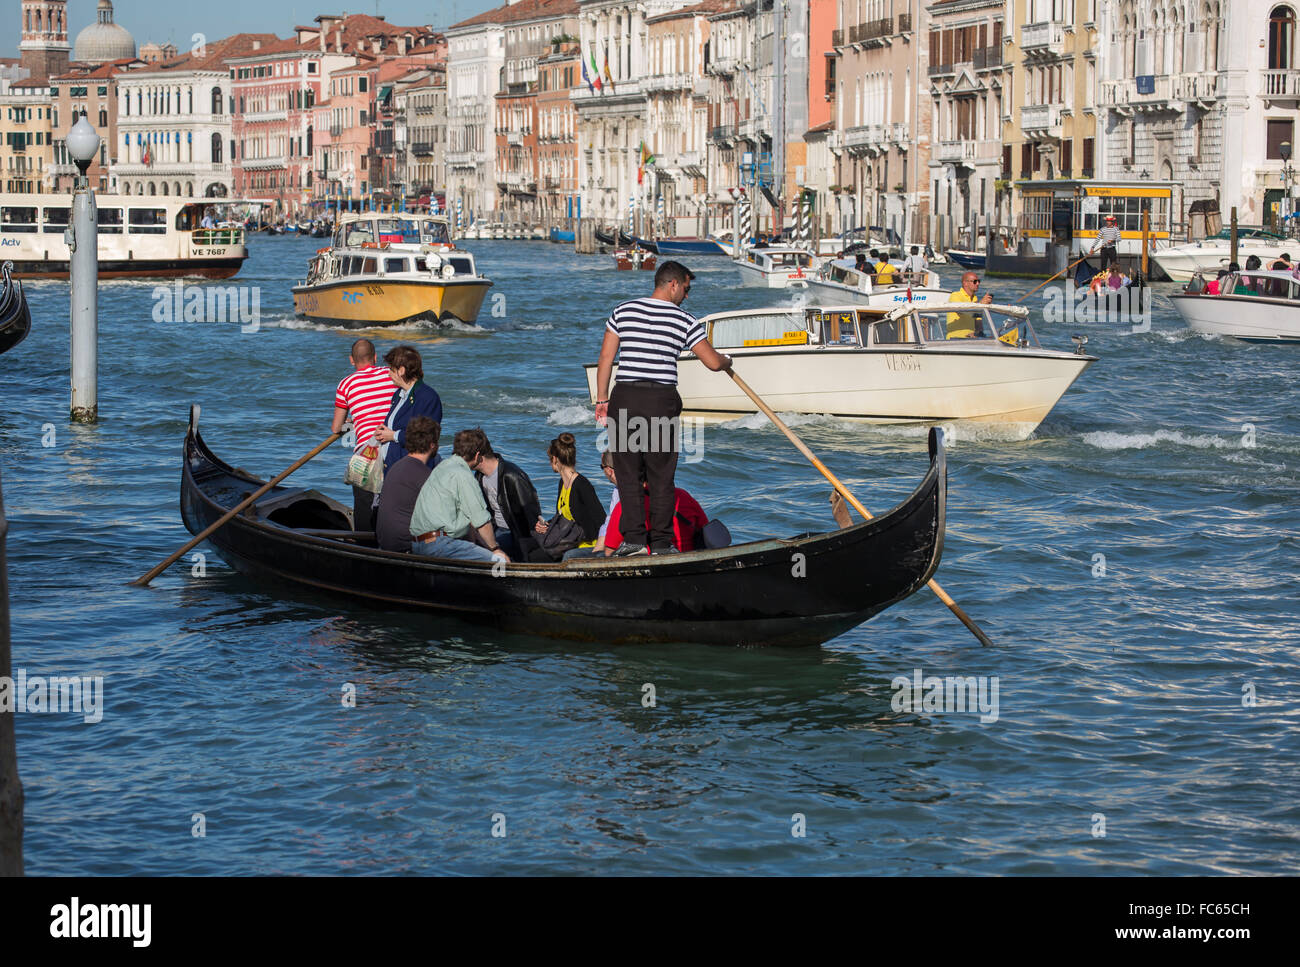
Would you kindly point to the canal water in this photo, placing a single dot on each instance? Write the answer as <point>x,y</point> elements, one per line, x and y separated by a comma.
<point>1135,562</point>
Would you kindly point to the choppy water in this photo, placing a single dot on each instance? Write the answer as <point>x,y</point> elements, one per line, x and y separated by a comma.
<point>1124,696</point>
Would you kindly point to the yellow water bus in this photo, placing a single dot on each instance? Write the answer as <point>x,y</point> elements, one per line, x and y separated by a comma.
<point>1061,218</point>
<point>387,269</point>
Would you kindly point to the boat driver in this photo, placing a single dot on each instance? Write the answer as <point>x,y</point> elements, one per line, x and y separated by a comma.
<point>961,325</point>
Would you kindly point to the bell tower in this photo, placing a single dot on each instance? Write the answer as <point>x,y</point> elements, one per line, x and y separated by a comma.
<point>44,47</point>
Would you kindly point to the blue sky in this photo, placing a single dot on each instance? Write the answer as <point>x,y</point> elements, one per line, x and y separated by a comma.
<point>178,20</point>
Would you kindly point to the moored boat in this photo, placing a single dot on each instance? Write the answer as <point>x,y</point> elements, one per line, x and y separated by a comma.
<point>1271,313</point>
<point>139,237</point>
<point>386,269</point>
<point>738,595</point>
<point>634,258</point>
<point>906,365</point>
<point>966,259</point>
<point>687,247</point>
<point>1208,255</point>
<point>778,266</point>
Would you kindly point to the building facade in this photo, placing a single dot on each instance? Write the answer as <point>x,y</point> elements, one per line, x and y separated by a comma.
<point>475,61</point>
<point>968,80</point>
<point>26,137</point>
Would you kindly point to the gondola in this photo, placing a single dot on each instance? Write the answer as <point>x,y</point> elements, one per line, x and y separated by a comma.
<point>1112,305</point>
<point>800,590</point>
<point>615,237</point>
<point>15,316</point>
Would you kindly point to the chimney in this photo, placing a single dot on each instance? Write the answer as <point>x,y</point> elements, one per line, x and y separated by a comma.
<point>322,41</point>
<point>257,45</point>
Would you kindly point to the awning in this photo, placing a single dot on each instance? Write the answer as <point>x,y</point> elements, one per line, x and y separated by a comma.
<point>385,92</point>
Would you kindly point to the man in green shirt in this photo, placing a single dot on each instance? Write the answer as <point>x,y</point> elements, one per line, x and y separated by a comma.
<point>451,505</point>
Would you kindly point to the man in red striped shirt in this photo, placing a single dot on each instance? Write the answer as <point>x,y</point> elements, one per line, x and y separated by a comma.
<point>367,394</point>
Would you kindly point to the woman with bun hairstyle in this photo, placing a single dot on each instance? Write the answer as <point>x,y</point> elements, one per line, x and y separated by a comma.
<point>575,500</point>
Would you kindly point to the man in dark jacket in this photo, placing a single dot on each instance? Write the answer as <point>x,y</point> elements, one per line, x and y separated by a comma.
<point>510,495</point>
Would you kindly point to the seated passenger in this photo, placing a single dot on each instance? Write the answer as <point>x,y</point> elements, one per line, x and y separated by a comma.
<point>598,549</point>
<point>1115,279</point>
<point>688,520</point>
<point>450,509</point>
<point>884,271</point>
<point>962,325</point>
<point>575,500</point>
<point>402,484</point>
<point>509,493</point>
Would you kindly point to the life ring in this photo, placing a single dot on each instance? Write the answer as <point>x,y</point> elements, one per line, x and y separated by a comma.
<point>378,245</point>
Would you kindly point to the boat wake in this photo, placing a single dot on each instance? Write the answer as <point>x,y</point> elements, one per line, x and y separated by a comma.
<point>1111,440</point>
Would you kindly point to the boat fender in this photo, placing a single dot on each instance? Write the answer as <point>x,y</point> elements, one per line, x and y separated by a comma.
<point>714,535</point>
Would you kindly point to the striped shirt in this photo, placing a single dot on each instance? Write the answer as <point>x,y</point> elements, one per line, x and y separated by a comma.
<point>651,334</point>
<point>367,395</point>
<point>1107,237</point>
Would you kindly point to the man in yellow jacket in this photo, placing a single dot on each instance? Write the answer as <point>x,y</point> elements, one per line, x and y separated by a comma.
<point>961,325</point>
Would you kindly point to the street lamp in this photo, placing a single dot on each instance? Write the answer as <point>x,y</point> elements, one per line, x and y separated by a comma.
<point>83,273</point>
<point>82,142</point>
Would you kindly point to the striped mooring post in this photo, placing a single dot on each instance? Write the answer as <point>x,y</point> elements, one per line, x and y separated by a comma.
<point>631,214</point>
<point>746,221</point>
<point>663,221</point>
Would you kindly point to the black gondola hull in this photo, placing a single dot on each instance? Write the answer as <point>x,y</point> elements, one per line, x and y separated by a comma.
<point>799,591</point>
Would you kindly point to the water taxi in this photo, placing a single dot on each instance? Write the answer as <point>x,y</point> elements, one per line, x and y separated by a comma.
<point>139,237</point>
<point>838,281</point>
<point>387,269</point>
<point>1270,313</point>
<point>909,365</point>
<point>778,266</point>
<point>634,258</point>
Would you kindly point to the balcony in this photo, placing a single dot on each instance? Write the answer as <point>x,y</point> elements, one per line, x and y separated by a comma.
<point>955,152</point>
<point>262,164</point>
<point>514,137</point>
<point>1047,38</point>
<point>1146,94</point>
<point>336,130</point>
<point>942,70</point>
<point>254,116</point>
<point>876,33</point>
<point>1201,88</point>
<point>904,23</point>
<point>987,58</point>
<point>462,159</point>
<point>865,139</point>
<point>422,147</point>
<point>1043,120</point>
<point>667,82</point>
<point>1280,85</point>
<point>723,134</point>
<point>837,38</point>
<point>900,135</point>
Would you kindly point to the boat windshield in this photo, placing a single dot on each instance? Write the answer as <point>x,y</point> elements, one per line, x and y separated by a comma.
<point>838,328</point>
<point>357,233</point>
<point>979,323</point>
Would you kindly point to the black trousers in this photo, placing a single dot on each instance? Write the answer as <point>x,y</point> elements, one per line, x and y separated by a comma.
<point>644,424</point>
<point>363,516</point>
<point>1108,256</point>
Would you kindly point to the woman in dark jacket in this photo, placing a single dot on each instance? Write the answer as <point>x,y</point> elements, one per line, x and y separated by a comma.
<point>413,398</point>
<point>575,499</point>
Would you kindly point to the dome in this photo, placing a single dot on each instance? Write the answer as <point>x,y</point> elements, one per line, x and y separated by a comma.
<point>103,40</point>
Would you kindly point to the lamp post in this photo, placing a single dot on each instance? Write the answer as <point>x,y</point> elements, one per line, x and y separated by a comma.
<point>83,272</point>
<point>1288,175</point>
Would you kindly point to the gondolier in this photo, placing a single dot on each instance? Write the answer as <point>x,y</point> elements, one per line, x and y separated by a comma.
<point>1107,238</point>
<point>646,336</point>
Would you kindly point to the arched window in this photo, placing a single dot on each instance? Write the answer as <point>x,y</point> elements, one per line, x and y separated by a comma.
<point>178,189</point>
<point>103,119</point>
<point>189,189</point>
<point>126,187</point>
<point>216,100</point>
<point>216,149</point>
<point>153,189</point>
<point>164,189</point>
<point>1281,37</point>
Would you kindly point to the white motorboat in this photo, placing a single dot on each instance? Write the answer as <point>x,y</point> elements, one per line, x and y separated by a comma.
<point>895,367</point>
<point>1209,255</point>
<point>778,266</point>
<point>841,282</point>
<point>1270,313</point>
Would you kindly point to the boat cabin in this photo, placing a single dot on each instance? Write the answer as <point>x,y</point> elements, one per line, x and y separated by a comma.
<point>331,265</point>
<point>915,326</point>
<point>780,258</point>
<point>115,215</point>
<point>393,229</point>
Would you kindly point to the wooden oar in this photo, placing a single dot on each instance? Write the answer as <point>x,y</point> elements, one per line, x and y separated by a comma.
<point>145,579</point>
<point>1062,272</point>
<point>934,585</point>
